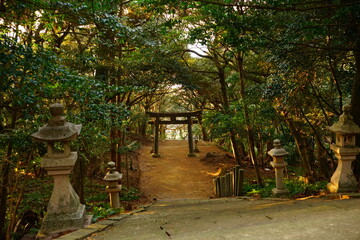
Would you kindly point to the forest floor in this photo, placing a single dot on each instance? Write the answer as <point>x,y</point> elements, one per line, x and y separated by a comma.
<point>176,176</point>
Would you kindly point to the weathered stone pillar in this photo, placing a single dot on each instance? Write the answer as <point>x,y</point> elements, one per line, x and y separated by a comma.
<point>190,136</point>
<point>278,153</point>
<point>343,179</point>
<point>112,178</point>
<point>156,139</point>
<point>64,210</point>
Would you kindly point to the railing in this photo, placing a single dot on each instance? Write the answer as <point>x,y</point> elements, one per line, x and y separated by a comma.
<point>231,184</point>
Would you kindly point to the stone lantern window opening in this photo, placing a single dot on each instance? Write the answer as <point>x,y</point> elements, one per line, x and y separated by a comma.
<point>58,149</point>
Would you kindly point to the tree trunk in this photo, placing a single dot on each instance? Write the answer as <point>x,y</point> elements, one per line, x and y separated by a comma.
<point>203,130</point>
<point>249,130</point>
<point>223,86</point>
<point>78,178</point>
<point>355,106</point>
<point>324,169</point>
<point>5,171</point>
<point>301,145</point>
<point>235,147</point>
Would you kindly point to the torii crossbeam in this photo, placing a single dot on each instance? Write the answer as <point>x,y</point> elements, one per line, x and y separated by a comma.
<point>188,118</point>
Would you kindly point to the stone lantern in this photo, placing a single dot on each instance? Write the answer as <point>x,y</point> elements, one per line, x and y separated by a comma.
<point>112,178</point>
<point>64,211</point>
<point>343,179</point>
<point>278,153</point>
<point>196,148</point>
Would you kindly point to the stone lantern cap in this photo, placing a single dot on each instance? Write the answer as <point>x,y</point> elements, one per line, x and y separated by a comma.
<point>112,175</point>
<point>277,151</point>
<point>57,129</point>
<point>345,125</point>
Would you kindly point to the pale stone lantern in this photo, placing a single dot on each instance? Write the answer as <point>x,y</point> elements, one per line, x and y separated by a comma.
<point>343,179</point>
<point>112,178</point>
<point>278,153</point>
<point>196,149</point>
<point>64,211</point>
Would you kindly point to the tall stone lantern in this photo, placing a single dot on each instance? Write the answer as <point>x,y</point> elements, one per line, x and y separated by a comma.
<point>278,153</point>
<point>64,211</point>
<point>343,179</point>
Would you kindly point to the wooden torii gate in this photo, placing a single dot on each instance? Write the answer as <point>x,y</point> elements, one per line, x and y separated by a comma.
<point>188,118</point>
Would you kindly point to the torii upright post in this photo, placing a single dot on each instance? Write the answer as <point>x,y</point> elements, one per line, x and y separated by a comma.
<point>191,143</point>
<point>171,118</point>
<point>156,139</point>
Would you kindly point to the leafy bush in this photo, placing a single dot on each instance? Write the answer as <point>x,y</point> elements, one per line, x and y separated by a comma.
<point>103,210</point>
<point>296,187</point>
<point>130,194</point>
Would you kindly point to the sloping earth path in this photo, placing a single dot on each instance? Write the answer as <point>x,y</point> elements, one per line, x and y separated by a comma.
<point>175,175</point>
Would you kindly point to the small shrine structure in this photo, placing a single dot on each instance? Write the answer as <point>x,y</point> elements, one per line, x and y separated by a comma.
<point>188,118</point>
<point>64,211</point>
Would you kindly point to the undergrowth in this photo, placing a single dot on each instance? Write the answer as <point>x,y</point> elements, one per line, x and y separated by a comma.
<point>296,187</point>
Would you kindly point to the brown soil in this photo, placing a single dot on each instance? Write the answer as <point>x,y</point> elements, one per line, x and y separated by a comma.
<point>175,175</point>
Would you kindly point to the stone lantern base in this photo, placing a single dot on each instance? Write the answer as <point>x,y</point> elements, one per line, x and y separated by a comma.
<point>333,188</point>
<point>64,211</point>
<point>56,223</point>
<point>343,179</point>
<point>280,192</point>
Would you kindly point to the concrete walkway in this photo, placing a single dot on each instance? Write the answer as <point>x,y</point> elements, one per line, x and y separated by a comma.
<point>229,218</point>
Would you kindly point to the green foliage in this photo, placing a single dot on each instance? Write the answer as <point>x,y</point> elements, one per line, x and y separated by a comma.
<point>97,200</point>
<point>296,187</point>
<point>102,210</point>
<point>130,194</point>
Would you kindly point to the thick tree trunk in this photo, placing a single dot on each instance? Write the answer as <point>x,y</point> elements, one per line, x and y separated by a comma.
<point>324,169</point>
<point>203,130</point>
<point>302,147</point>
<point>104,73</point>
<point>235,147</point>
<point>223,86</point>
<point>5,171</point>
<point>355,106</point>
<point>249,130</point>
<point>78,178</point>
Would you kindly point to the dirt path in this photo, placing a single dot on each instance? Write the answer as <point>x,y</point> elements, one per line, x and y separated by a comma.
<point>176,176</point>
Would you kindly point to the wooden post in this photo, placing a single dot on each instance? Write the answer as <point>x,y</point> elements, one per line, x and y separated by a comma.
<point>215,187</point>
<point>228,185</point>
<point>222,186</point>
<point>190,136</point>
<point>240,182</point>
<point>218,187</point>
<point>231,183</point>
<point>156,139</point>
<point>236,177</point>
